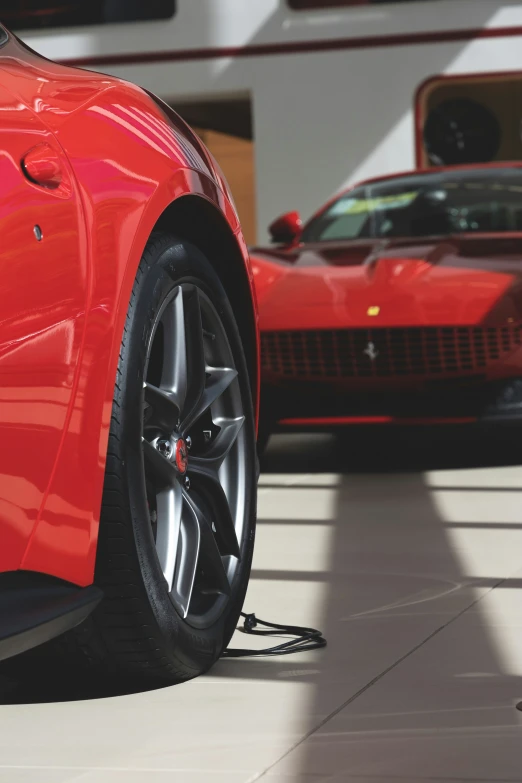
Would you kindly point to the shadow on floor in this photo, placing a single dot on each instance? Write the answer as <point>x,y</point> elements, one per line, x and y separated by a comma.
<point>387,449</point>
<point>369,451</point>
<point>52,684</point>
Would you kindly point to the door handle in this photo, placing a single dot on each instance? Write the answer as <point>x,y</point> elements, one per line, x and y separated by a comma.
<point>42,166</point>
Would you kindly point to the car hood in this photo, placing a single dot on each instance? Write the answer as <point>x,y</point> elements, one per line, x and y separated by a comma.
<point>451,281</point>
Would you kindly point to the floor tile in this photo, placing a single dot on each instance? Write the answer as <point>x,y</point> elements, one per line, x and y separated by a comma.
<point>100,775</point>
<point>447,711</point>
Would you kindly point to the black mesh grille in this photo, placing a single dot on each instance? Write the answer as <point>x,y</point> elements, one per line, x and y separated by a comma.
<point>426,351</point>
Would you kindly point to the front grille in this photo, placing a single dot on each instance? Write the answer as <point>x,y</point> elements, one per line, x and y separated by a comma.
<point>367,353</point>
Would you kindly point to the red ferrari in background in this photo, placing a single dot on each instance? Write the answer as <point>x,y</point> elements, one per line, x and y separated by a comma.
<point>128,377</point>
<point>399,302</point>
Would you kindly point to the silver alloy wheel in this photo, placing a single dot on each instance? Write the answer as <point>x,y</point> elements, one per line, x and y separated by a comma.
<point>194,453</point>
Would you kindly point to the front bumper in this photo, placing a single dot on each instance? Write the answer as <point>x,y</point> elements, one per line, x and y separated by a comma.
<point>306,406</point>
<point>35,608</point>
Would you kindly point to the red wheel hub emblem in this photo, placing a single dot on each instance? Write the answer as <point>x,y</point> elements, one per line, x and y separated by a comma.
<point>181,456</point>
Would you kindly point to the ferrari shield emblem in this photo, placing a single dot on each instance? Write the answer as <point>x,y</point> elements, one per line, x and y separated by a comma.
<point>373,310</point>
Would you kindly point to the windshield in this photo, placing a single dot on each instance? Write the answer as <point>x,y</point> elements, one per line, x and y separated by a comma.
<point>423,205</point>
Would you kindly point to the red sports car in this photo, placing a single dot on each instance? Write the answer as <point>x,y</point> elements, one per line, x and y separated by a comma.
<point>128,377</point>
<point>400,301</point>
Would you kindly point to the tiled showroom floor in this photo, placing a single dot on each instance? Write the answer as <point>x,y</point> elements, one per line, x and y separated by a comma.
<point>406,550</point>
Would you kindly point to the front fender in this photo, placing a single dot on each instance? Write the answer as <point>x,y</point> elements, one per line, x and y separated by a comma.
<point>130,164</point>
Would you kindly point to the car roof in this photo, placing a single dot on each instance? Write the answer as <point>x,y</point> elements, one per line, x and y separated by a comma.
<point>503,164</point>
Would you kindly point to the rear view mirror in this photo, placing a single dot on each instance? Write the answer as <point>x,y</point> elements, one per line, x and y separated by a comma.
<point>286,229</point>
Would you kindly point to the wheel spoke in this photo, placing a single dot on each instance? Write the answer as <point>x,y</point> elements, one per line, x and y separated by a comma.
<point>196,372</point>
<point>217,382</point>
<point>165,409</point>
<point>210,561</point>
<point>216,454</point>
<point>174,373</point>
<point>207,478</point>
<point>160,471</point>
<point>168,508</point>
<point>187,558</point>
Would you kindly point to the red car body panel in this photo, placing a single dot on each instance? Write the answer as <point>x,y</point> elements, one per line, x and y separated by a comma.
<point>114,162</point>
<point>430,284</point>
<point>310,294</point>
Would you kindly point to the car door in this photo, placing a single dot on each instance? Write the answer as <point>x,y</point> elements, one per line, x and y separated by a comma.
<point>43,268</point>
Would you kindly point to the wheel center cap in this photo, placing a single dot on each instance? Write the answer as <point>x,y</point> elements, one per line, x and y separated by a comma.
<point>181,455</point>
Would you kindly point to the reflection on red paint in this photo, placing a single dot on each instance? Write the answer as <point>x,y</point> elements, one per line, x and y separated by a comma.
<point>69,259</point>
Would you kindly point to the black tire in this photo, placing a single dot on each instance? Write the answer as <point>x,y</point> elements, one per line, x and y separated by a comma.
<point>263,437</point>
<point>137,629</point>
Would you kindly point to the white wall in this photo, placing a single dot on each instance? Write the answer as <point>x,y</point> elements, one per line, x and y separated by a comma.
<point>321,120</point>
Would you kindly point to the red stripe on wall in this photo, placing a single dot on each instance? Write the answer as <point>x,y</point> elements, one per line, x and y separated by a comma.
<point>297,47</point>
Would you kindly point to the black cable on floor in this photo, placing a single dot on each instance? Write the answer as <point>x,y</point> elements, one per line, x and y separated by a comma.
<point>306,638</point>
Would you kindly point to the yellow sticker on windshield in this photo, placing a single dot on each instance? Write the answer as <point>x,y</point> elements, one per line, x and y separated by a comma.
<point>356,206</point>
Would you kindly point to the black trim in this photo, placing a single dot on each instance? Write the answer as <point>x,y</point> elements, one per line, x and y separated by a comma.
<point>35,608</point>
<point>76,14</point>
<point>472,397</point>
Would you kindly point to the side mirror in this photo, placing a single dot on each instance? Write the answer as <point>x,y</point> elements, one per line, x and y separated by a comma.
<point>286,229</point>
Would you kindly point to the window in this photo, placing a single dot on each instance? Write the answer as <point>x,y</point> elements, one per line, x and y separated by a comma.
<point>34,14</point>
<point>422,205</point>
<point>308,5</point>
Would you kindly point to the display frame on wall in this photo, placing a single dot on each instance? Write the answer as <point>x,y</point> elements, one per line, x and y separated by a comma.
<point>480,87</point>
<point>44,14</point>
<point>320,5</point>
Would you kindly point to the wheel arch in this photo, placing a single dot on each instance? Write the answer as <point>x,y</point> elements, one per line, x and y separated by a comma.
<point>184,218</point>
